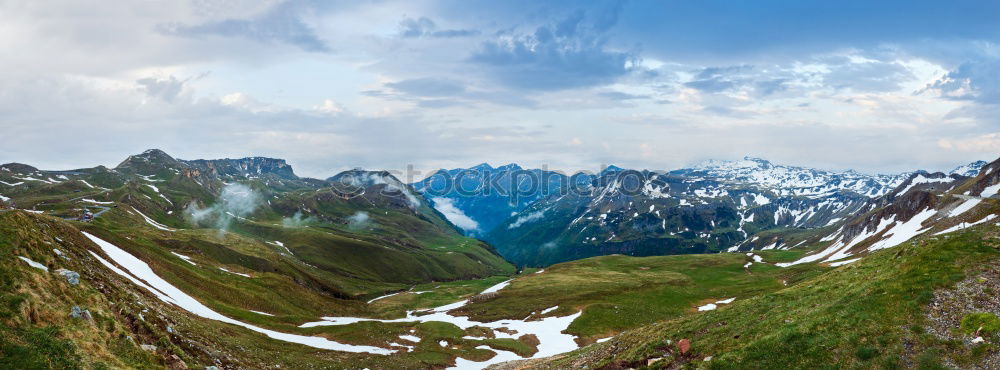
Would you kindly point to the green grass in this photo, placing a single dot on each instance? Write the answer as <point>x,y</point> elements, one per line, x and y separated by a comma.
<point>984,323</point>
<point>867,314</point>
<point>36,348</point>
<point>617,293</point>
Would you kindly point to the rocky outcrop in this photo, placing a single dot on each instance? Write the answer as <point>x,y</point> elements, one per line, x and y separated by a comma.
<point>250,167</point>
<point>72,277</point>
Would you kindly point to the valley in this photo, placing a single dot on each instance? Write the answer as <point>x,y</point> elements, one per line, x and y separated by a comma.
<point>240,263</point>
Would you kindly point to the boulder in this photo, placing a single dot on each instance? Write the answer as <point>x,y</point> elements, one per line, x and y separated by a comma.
<point>175,363</point>
<point>72,277</point>
<point>79,313</point>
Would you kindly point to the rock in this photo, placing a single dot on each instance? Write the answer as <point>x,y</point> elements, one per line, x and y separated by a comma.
<point>684,345</point>
<point>72,277</point>
<point>170,329</point>
<point>148,347</point>
<point>175,363</point>
<point>79,313</point>
<point>709,358</point>
<point>653,360</point>
<point>60,253</point>
<point>211,368</point>
<point>978,340</point>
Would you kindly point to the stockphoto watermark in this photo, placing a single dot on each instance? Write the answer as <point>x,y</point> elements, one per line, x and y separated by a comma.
<point>516,184</point>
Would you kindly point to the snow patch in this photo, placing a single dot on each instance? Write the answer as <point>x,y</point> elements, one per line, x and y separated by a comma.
<point>152,222</point>
<point>139,273</point>
<point>183,257</point>
<point>841,263</point>
<point>233,272</point>
<point>33,263</point>
<point>965,225</point>
<point>549,330</point>
<point>965,206</point>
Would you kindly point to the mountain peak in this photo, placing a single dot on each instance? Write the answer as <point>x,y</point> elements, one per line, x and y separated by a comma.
<point>18,168</point>
<point>148,161</point>
<point>970,170</point>
<point>509,167</point>
<point>759,162</point>
<point>612,168</point>
<point>482,167</point>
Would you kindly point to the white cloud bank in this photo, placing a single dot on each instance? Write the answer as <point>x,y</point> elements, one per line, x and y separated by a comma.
<point>455,215</point>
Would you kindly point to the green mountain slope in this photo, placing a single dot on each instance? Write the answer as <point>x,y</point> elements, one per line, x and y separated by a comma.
<point>870,314</point>
<point>257,214</point>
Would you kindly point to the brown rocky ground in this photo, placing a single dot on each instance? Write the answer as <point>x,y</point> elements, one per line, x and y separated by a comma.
<point>978,293</point>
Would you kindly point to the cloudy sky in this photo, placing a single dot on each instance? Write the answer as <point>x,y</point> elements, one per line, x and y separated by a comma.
<point>329,85</point>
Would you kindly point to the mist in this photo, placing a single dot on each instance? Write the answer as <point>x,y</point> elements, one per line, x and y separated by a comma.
<point>359,220</point>
<point>235,201</point>
<point>297,220</point>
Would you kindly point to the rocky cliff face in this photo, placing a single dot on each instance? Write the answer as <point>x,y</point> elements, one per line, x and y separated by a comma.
<point>251,167</point>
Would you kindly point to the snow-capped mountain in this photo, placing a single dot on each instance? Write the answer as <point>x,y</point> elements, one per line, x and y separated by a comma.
<point>715,206</point>
<point>970,170</point>
<point>647,213</point>
<point>934,204</point>
<point>798,181</point>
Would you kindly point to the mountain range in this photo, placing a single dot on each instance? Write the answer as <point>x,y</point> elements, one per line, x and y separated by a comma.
<point>715,206</point>
<point>162,262</point>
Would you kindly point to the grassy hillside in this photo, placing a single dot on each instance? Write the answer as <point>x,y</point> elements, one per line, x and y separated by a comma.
<point>617,293</point>
<point>255,215</point>
<point>873,313</point>
<point>39,332</point>
<point>278,286</point>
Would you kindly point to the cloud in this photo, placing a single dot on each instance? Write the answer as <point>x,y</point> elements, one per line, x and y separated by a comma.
<point>236,201</point>
<point>565,83</point>
<point>434,92</point>
<point>282,23</point>
<point>297,220</point>
<point>867,76</point>
<point>455,215</point>
<point>167,89</point>
<point>537,215</point>
<point>757,81</point>
<point>570,53</point>
<point>977,80</point>
<point>428,87</point>
<point>359,220</point>
<point>425,27</point>
<point>621,96</point>
<point>987,143</point>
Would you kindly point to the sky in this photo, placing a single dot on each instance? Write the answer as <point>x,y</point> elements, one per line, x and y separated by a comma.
<point>883,87</point>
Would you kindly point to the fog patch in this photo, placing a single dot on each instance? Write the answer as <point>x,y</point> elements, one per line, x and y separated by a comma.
<point>235,201</point>
<point>526,218</point>
<point>297,220</point>
<point>359,220</point>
